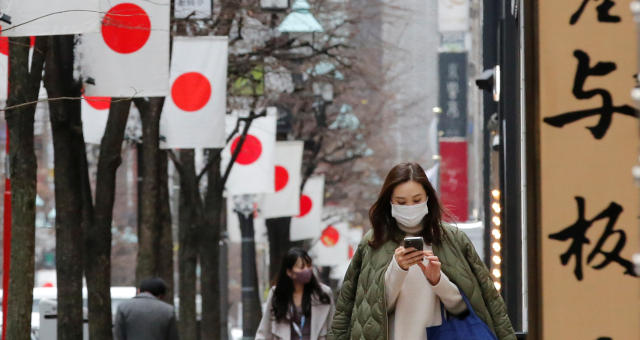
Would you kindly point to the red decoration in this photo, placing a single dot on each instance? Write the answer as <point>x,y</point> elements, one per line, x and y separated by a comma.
<point>282,177</point>
<point>305,205</point>
<point>4,45</point>
<point>330,236</point>
<point>251,149</point>
<point>191,91</point>
<point>98,103</point>
<point>126,28</point>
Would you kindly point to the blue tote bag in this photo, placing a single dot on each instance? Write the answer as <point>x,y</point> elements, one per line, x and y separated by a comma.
<point>468,327</point>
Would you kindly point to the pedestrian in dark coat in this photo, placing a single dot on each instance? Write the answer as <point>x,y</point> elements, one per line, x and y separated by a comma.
<point>146,316</point>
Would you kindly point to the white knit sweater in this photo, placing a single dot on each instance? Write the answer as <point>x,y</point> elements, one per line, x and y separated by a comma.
<point>413,303</point>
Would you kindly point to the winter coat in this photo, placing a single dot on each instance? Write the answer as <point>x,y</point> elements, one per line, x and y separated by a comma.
<point>145,317</point>
<point>321,316</point>
<point>361,311</point>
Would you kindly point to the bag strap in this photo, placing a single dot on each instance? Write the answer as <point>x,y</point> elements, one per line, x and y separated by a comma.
<point>442,313</point>
<point>466,301</point>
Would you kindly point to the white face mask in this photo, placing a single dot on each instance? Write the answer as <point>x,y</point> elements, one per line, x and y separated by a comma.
<point>409,216</point>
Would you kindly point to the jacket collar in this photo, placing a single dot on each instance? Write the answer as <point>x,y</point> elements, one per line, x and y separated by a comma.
<point>145,295</point>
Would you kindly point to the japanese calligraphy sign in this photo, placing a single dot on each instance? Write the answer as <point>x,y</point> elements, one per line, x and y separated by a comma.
<point>588,145</point>
<point>453,94</point>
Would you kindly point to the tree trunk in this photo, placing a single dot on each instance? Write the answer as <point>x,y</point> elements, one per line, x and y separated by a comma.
<point>98,237</point>
<point>209,253</point>
<point>22,160</point>
<point>148,230</point>
<point>69,152</point>
<point>251,307</point>
<point>278,233</point>
<point>188,253</point>
<point>165,237</point>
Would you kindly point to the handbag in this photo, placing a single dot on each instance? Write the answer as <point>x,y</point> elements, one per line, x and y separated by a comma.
<point>467,327</point>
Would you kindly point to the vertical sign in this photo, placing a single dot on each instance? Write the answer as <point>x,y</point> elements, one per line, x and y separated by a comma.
<point>452,126</point>
<point>453,94</point>
<point>453,15</point>
<point>588,144</point>
<point>454,185</point>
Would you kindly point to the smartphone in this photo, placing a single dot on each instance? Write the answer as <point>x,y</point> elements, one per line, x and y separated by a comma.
<point>413,242</point>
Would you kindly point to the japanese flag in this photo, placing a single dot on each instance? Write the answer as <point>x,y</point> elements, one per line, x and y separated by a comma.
<point>286,199</point>
<point>253,171</point>
<point>129,57</point>
<point>50,17</point>
<point>95,112</point>
<point>233,224</point>
<point>332,248</point>
<point>194,113</point>
<point>308,223</point>
<point>4,67</point>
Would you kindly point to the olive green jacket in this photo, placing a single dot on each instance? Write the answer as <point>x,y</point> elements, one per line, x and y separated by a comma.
<point>361,311</point>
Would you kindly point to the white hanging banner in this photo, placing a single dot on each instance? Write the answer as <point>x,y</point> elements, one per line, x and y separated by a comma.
<point>192,9</point>
<point>286,199</point>
<point>453,15</point>
<point>4,68</point>
<point>50,17</point>
<point>194,113</point>
<point>332,248</point>
<point>129,57</point>
<point>95,112</point>
<point>308,224</point>
<point>253,171</point>
<point>233,224</point>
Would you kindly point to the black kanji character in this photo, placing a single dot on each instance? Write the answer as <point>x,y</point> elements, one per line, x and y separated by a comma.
<point>577,232</point>
<point>603,12</point>
<point>605,111</point>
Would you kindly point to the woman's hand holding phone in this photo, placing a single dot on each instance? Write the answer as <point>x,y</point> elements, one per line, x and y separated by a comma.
<point>407,257</point>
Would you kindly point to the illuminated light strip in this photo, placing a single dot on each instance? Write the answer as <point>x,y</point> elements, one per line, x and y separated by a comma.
<point>496,236</point>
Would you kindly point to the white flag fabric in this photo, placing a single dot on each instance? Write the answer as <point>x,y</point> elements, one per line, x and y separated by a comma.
<point>286,199</point>
<point>50,17</point>
<point>4,68</point>
<point>308,224</point>
<point>332,248</point>
<point>129,57</point>
<point>233,225</point>
<point>95,112</point>
<point>194,113</point>
<point>253,171</point>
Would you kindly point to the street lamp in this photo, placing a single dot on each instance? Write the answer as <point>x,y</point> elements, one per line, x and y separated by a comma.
<point>300,20</point>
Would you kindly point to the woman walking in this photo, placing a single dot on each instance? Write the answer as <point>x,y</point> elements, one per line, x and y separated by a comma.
<point>298,307</point>
<point>394,293</point>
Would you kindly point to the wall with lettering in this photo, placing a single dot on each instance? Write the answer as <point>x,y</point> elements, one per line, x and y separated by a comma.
<point>588,144</point>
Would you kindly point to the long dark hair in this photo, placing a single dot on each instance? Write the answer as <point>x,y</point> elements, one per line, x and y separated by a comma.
<point>283,292</point>
<point>384,225</point>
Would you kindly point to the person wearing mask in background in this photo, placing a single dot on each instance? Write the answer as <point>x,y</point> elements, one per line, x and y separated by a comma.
<point>146,316</point>
<point>298,307</point>
<point>394,293</point>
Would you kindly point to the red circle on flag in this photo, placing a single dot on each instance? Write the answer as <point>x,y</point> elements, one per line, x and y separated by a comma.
<point>191,91</point>
<point>351,252</point>
<point>282,177</point>
<point>251,149</point>
<point>98,103</point>
<point>305,205</point>
<point>126,28</point>
<point>4,45</point>
<point>330,236</point>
